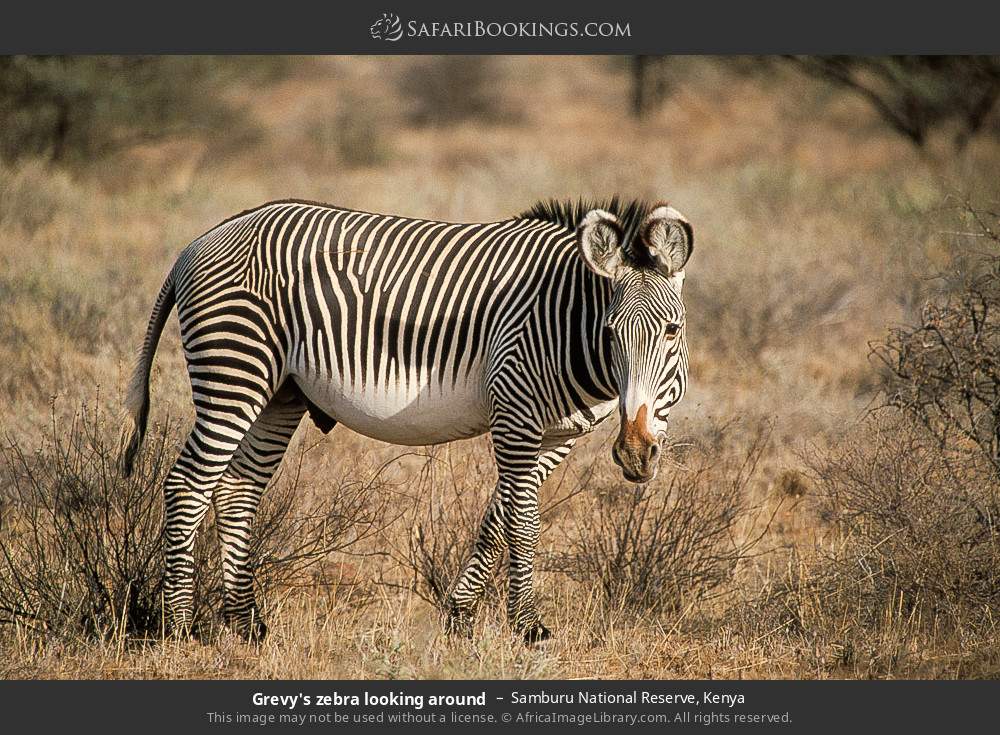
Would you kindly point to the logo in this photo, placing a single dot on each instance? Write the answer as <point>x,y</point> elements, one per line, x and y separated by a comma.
<point>387,28</point>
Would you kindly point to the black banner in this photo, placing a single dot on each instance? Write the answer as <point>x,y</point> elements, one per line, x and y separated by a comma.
<point>498,706</point>
<point>449,26</point>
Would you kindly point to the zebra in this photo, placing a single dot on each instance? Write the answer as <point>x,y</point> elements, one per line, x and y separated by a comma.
<point>533,329</point>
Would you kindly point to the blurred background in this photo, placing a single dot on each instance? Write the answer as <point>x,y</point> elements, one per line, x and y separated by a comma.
<point>832,200</point>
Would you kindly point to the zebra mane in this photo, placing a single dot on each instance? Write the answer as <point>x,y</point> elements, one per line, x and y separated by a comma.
<point>568,213</point>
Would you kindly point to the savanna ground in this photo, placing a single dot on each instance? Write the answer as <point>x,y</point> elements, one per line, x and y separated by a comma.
<point>791,532</point>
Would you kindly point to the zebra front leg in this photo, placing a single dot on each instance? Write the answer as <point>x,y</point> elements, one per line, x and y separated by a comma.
<point>522,536</point>
<point>237,497</point>
<point>522,525</point>
<point>491,543</point>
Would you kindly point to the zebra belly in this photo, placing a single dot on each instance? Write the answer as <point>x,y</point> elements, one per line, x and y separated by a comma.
<point>413,415</point>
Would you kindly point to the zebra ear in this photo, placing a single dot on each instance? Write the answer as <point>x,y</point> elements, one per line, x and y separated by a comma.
<point>599,240</point>
<point>669,239</point>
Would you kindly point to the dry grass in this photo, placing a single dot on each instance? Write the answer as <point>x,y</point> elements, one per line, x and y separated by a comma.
<point>815,227</point>
<point>664,546</point>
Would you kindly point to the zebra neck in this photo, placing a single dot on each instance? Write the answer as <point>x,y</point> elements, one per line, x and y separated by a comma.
<point>583,321</point>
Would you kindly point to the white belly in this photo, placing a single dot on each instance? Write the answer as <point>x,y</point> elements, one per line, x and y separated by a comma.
<point>417,413</point>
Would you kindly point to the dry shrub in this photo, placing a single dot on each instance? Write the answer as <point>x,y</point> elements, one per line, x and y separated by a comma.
<point>910,496</point>
<point>945,372</point>
<point>357,135</point>
<point>791,483</point>
<point>449,509</point>
<point>654,547</point>
<point>919,524</point>
<point>81,548</point>
<point>53,303</point>
<point>912,551</point>
<point>32,194</point>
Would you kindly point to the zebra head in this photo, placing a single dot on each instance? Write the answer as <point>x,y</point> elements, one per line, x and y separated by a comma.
<point>645,323</point>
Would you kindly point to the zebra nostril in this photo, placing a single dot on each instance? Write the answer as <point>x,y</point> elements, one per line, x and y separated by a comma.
<point>654,452</point>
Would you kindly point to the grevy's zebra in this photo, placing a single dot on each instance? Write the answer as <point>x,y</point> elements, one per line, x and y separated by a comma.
<point>416,332</point>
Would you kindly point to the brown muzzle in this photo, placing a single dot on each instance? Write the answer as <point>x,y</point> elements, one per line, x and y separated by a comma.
<point>636,451</point>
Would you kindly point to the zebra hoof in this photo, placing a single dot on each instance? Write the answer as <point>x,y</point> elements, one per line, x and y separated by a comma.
<point>181,632</point>
<point>252,632</point>
<point>536,633</point>
<point>256,633</point>
<point>249,627</point>
<point>459,623</point>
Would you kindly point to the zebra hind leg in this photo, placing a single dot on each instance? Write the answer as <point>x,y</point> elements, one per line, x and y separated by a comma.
<point>236,499</point>
<point>187,491</point>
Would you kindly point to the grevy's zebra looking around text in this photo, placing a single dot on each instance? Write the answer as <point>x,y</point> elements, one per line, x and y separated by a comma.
<point>416,332</point>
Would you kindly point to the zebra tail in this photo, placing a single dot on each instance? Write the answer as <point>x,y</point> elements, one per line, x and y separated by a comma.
<point>137,398</point>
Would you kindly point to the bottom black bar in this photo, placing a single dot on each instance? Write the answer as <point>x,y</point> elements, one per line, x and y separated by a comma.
<point>497,706</point>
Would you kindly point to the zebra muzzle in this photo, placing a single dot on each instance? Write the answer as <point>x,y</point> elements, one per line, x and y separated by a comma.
<point>636,450</point>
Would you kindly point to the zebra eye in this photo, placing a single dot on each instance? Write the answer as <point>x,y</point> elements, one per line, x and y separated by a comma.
<point>672,330</point>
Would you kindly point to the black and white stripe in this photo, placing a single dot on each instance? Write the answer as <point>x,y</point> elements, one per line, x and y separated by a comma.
<point>415,332</point>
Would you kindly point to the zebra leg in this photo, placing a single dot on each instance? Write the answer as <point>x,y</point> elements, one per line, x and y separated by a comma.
<point>518,464</point>
<point>490,544</point>
<point>494,535</point>
<point>187,491</point>
<point>522,525</point>
<point>551,457</point>
<point>236,498</point>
